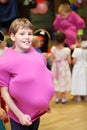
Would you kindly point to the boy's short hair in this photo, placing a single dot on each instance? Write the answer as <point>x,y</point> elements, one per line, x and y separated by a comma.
<point>20,22</point>
<point>64,8</point>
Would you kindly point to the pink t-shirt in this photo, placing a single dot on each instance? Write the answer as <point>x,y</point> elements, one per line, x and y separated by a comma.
<point>29,81</point>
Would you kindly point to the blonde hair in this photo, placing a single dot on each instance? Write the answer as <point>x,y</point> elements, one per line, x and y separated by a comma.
<point>35,41</point>
<point>64,8</point>
<point>20,22</point>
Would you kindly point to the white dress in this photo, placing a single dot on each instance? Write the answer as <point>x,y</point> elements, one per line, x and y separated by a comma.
<point>61,69</point>
<point>79,72</point>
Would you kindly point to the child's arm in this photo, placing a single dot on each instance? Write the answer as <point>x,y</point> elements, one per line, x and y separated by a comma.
<point>73,46</point>
<point>79,22</point>
<point>73,61</point>
<point>23,118</point>
<point>3,114</point>
<point>69,58</point>
<point>56,22</point>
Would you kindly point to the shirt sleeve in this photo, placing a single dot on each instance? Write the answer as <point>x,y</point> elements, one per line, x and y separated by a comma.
<point>79,22</point>
<point>68,50</point>
<point>4,76</point>
<point>75,53</point>
<point>56,22</point>
<point>53,49</point>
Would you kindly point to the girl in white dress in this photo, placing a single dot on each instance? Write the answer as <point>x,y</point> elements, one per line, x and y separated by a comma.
<point>60,68</point>
<point>79,72</point>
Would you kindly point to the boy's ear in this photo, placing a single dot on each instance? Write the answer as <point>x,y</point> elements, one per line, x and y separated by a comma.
<point>12,36</point>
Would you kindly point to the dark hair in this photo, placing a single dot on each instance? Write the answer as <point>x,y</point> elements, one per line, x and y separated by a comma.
<point>60,37</point>
<point>1,36</point>
<point>84,37</point>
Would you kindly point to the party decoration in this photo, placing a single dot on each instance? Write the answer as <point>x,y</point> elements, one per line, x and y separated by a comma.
<point>38,1</point>
<point>79,1</point>
<point>74,7</point>
<point>80,31</point>
<point>3,1</point>
<point>72,1</point>
<point>41,8</point>
<point>30,3</point>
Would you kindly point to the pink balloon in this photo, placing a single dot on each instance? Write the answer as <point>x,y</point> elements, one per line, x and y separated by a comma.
<point>42,7</point>
<point>3,1</point>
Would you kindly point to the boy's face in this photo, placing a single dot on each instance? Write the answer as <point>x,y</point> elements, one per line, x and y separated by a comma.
<point>22,39</point>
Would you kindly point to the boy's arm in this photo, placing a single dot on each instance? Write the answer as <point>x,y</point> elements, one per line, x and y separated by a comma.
<point>23,118</point>
<point>3,114</point>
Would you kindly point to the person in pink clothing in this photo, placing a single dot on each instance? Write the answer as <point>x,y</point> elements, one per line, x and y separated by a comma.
<point>68,22</point>
<point>26,83</point>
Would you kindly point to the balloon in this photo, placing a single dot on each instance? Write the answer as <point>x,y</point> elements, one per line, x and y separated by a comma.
<point>42,7</point>
<point>32,4</point>
<point>79,1</point>
<point>39,1</point>
<point>74,7</point>
<point>3,1</point>
<point>72,1</point>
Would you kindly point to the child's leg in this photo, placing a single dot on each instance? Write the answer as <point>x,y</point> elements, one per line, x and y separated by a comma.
<point>64,99</point>
<point>78,98</point>
<point>85,98</point>
<point>2,127</point>
<point>57,97</point>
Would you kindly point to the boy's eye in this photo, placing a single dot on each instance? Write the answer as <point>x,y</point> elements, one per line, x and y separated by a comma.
<point>30,34</point>
<point>24,34</point>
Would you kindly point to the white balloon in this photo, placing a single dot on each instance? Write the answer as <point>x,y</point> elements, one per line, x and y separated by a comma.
<point>79,1</point>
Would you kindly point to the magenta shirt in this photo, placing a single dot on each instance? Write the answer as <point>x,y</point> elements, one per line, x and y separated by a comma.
<point>29,81</point>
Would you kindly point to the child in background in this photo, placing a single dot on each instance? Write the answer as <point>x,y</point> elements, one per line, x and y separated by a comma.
<point>79,72</point>
<point>2,43</point>
<point>44,37</point>
<point>37,43</point>
<point>60,67</point>
<point>3,115</point>
<point>77,43</point>
<point>68,22</point>
<point>26,83</point>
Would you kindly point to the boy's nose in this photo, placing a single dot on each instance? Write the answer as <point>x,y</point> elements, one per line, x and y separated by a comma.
<point>26,36</point>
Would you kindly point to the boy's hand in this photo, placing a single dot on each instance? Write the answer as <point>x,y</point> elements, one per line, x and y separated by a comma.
<point>3,114</point>
<point>25,119</point>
